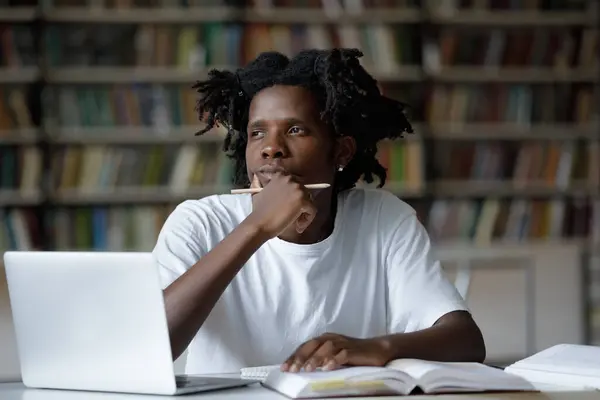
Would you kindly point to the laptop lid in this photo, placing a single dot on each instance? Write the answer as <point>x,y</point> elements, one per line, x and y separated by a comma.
<point>10,370</point>
<point>90,321</point>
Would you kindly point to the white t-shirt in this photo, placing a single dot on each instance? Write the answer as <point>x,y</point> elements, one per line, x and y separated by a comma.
<point>374,275</point>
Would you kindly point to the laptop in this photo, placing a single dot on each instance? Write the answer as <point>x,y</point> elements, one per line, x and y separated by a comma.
<point>95,321</point>
<point>9,358</point>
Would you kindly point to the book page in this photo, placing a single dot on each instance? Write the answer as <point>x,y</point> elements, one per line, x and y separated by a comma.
<point>417,369</point>
<point>351,373</point>
<point>434,376</point>
<point>570,359</point>
<point>348,381</point>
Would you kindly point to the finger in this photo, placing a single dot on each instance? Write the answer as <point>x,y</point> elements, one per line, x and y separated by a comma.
<point>326,351</point>
<point>338,360</point>
<point>299,357</point>
<point>308,213</point>
<point>306,218</point>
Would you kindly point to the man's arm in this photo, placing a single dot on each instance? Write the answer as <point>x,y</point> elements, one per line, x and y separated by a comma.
<point>454,337</point>
<point>190,298</point>
<point>425,308</point>
<point>427,317</point>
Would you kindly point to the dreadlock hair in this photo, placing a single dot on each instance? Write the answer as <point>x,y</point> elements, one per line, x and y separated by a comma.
<point>348,97</point>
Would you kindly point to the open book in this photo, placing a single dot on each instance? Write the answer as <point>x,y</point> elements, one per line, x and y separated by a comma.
<point>570,365</point>
<point>399,377</point>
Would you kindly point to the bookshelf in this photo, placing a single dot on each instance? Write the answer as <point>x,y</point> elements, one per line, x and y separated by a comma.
<point>97,124</point>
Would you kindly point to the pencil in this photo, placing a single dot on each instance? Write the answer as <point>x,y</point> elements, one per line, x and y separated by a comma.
<point>257,190</point>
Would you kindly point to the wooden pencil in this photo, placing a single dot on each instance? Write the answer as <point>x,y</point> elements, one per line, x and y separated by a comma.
<point>257,190</point>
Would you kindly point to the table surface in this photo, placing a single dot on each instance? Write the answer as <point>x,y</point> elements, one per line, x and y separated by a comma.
<point>16,391</point>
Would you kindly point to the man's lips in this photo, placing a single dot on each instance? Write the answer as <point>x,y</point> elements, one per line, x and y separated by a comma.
<point>266,172</point>
<point>272,169</point>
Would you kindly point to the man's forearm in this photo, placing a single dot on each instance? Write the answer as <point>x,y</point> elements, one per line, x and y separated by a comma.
<point>455,337</point>
<point>190,299</point>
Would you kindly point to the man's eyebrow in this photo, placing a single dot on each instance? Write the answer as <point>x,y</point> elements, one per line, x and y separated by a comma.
<point>295,121</point>
<point>262,122</point>
<point>255,123</point>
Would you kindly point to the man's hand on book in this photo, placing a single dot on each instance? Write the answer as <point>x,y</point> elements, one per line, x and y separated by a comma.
<point>331,351</point>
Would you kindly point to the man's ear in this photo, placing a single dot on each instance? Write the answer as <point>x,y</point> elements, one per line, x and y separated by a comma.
<point>344,150</point>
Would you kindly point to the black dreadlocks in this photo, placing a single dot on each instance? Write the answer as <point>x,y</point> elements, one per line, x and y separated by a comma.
<point>348,96</point>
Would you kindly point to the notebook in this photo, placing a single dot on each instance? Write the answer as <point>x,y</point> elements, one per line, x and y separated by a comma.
<point>568,365</point>
<point>258,373</point>
<point>399,377</point>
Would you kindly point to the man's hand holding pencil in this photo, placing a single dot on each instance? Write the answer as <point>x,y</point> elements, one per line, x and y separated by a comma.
<point>280,203</point>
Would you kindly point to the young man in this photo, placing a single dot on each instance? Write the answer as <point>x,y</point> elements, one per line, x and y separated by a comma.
<point>305,278</point>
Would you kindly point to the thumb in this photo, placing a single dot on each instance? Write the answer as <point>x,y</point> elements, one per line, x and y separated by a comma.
<point>305,219</point>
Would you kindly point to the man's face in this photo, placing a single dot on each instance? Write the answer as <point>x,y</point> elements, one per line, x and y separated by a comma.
<point>286,134</point>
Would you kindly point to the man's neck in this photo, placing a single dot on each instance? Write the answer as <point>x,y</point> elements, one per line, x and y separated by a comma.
<point>321,227</point>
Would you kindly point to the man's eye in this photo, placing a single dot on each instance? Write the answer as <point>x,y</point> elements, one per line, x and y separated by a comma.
<point>296,130</point>
<point>256,133</point>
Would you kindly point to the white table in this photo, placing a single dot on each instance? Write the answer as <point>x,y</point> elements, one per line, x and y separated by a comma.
<point>16,391</point>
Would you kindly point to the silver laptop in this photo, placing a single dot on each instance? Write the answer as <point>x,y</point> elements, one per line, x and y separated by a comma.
<point>95,321</point>
<point>9,358</point>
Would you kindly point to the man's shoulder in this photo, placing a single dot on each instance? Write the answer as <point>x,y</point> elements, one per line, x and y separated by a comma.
<point>377,202</point>
<point>219,206</point>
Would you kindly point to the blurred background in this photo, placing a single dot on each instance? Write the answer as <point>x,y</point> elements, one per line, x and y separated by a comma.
<point>97,128</point>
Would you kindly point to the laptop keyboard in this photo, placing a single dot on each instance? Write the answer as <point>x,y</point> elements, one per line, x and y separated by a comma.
<point>183,381</point>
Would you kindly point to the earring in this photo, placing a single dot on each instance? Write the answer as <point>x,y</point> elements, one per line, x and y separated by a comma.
<point>340,168</point>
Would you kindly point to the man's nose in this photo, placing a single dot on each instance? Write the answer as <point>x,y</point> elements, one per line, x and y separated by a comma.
<point>274,148</point>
